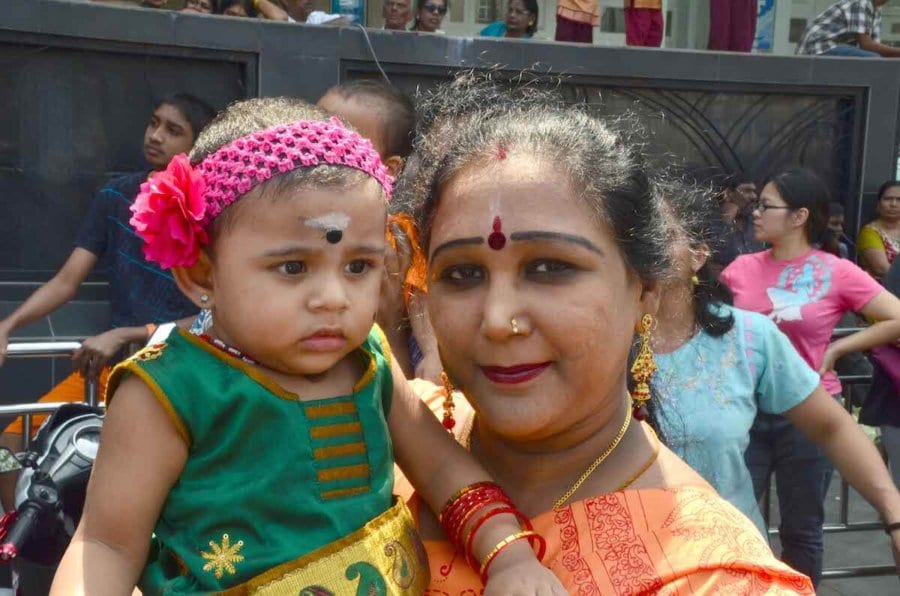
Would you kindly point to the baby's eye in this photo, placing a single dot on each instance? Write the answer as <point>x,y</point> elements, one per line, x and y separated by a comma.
<point>358,267</point>
<point>461,274</point>
<point>292,268</point>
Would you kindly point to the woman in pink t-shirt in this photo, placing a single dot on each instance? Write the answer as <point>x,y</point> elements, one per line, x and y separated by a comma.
<point>805,291</point>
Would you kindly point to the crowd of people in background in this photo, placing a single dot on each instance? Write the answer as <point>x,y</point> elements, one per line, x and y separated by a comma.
<point>846,28</point>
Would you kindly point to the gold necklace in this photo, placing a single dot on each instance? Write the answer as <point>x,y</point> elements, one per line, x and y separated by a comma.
<point>467,443</point>
<point>600,459</point>
<point>646,465</point>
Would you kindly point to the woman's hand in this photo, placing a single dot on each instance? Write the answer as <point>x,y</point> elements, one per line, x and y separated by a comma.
<point>4,342</point>
<point>430,368</point>
<point>829,358</point>
<point>516,571</point>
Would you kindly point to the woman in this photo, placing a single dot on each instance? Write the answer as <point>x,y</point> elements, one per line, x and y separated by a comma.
<point>536,284</point>
<point>879,241</point>
<point>722,363</point>
<point>805,291</point>
<point>521,21</point>
<point>429,15</point>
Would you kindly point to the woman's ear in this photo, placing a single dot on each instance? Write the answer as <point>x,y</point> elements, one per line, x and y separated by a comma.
<point>649,301</point>
<point>800,216</point>
<point>394,164</point>
<point>195,281</point>
<point>699,257</point>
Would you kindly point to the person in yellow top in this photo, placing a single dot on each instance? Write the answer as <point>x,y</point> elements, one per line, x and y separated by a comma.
<point>576,19</point>
<point>644,23</point>
<point>879,241</point>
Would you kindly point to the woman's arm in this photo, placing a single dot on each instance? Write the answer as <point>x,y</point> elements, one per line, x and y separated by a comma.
<point>827,424</point>
<point>875,261</point>
<point>141,456</point>
<point>883,308</point>
<point>270,10</point>
<point>430,368</point>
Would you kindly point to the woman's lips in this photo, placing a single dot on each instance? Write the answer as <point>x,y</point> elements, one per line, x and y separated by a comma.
<point>513,375</point>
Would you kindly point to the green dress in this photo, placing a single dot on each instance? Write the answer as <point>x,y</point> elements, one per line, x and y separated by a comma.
<point>269,478</point>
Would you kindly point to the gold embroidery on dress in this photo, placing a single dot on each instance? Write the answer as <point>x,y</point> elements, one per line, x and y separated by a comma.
<point>223,557</point>
<point>150,353</point>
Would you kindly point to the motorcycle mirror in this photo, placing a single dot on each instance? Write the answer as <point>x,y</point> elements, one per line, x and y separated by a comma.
<point>8,461</point>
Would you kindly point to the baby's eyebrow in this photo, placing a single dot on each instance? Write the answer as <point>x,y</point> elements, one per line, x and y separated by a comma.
<point>294,250</point>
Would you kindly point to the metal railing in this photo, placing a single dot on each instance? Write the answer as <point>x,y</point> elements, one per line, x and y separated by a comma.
<point>45,349</point>
<point>849,383</point>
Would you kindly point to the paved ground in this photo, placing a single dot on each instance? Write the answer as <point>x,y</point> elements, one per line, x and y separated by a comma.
<point>853,549</point>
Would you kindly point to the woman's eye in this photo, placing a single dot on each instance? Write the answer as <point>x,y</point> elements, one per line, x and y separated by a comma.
<point>292,268</point>
<point>463,273</point>
<point>549,267</point>
<point>358,267</point>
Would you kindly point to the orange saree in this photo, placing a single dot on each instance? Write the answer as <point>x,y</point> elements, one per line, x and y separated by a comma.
<point>675,541</point>
<point>652,541</point>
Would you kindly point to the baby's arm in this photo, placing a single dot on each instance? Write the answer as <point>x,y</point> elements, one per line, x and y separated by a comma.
<point>141,456</point>
<point>437,466</point>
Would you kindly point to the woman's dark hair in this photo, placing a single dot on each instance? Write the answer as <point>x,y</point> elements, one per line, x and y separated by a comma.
<point>607,172</point>
<point>884,187</point>
<point>223,5</point>
<point>802,188</point>
<point>197,112</point>
<point>693,214</point>
<point>532,7</point>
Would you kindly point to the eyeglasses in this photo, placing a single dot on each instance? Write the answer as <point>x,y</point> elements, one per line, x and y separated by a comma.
<point>762,207</point>
<point>437,8</point>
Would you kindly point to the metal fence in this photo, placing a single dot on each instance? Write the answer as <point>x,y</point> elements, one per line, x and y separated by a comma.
<point>49,349</point>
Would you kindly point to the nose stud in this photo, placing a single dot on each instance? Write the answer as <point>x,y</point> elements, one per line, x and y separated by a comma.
<point>515,326</point>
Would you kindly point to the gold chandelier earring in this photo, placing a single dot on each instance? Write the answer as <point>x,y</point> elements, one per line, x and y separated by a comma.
<point>643,369</point>
<point>448,420</point>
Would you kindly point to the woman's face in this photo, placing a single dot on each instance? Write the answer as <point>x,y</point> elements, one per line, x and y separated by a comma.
<point>559,273</point>
<point>889,204</point>
<point>518,17</point>
<point>430,15</point>
<point>773,219</point>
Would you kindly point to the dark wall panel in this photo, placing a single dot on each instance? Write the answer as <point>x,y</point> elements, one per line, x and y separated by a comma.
<point>72,119</point>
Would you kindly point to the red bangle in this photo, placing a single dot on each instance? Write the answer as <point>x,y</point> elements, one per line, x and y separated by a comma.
<point>472,499</point>
<point>458,494</point>
<point>469,554</point>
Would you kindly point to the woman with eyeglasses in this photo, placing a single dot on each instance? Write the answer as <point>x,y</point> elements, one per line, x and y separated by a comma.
<point>805,291</point>
<point>521,21</point>
<point>879,241</point>
<point>429,15</point>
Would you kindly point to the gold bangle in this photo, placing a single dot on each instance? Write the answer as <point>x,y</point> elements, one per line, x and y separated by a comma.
<point>458,494</point>
<point>500,546</point>
<point>255,4</point>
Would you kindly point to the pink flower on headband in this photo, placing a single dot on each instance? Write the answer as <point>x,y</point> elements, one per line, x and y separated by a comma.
<point>168,213</point>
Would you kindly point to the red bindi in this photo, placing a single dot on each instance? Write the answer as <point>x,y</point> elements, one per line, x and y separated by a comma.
<point>501,152</point>
<point>497,239</point>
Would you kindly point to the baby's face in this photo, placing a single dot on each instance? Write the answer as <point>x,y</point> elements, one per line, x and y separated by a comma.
<point>296,277</point>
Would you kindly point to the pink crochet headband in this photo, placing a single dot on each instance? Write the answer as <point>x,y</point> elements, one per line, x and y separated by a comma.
<point>175,207</point>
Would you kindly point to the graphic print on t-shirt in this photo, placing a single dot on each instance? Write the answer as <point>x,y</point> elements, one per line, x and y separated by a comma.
<point>798,286</point>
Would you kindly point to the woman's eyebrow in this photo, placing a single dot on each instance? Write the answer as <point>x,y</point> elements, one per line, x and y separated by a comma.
<point>474,240</point>
<point>557,237</point>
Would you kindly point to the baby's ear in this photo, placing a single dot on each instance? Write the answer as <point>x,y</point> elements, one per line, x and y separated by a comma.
<point>195,281</point>
<point>394,164</point>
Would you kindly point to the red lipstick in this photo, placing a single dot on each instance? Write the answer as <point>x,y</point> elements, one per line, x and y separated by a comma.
<point>514,375</point>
